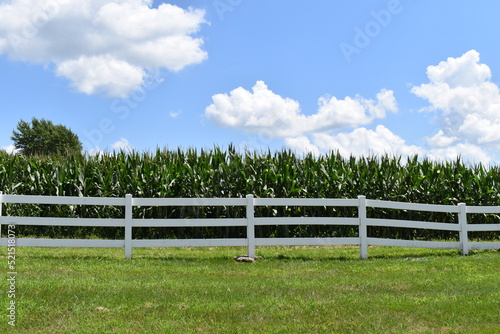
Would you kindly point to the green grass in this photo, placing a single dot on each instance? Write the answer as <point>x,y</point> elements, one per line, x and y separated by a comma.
<point>288,290</point>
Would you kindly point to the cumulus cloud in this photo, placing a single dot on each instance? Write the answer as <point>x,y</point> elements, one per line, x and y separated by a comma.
<point>102,45</point>
<point>365,142</point>
<point>382,141</point>
<point>122,145</point>
<point>467,152</point>
<point>359,142</point>
<point>11,149</point>
<point>464,71</point>
<point>349,112</point>
<point>269,115</point>
<point>302,145</point>
<point>255,111</point>
<point>175,114</point>
<point>467,104</point>
<point>459,91</point>
<point>441,140</point>
<point>263,111</point>
<point>104,73</point>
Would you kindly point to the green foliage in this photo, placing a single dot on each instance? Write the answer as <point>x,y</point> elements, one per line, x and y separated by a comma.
<point>42,137</point>
<point>229,173</point>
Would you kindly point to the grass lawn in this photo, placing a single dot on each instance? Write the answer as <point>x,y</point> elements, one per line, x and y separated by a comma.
<point>288,290</point>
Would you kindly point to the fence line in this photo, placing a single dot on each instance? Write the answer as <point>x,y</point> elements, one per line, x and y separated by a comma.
<point>250,222</point>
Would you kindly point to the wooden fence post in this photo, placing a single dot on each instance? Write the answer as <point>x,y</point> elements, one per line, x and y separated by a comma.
<point>462,221</point>
<point>363,230</point>
<point>128,226</point>
<point>250,226</point>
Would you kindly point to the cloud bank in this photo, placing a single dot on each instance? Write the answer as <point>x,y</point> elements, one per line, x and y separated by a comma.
<point>11,149</point>
<point>102,45</point>
<point>262,111</point>
<point>467,105</point>
<point>459,92</point>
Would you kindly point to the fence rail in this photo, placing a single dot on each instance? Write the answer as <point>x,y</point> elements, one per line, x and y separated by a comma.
<point>250,222</point>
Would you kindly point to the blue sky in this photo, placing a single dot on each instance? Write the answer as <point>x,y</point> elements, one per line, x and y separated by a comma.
<point>363,77</point>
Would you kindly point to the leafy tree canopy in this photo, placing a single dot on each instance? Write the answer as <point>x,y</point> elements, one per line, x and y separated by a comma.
<point>42,137</point>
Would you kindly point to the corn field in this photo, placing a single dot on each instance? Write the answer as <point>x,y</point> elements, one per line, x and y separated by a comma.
<point>230,173</point>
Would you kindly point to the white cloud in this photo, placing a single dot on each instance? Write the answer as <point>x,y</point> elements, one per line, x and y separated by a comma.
<point>467,152</point>
<point>122,145</point>
<point>463,71</point>
<point>255,111</point>
<point>459,91</point>
<point>440,140</point>
<point>364,142</point>
<point>102,73</point>
<point>175,114</point>
<point>302,145</point>
<point>334,113</point>
<point>467,102</point>
<point>96,151</point>
<point>11,149</point>
<point>102,45</point>
<point>262,111</point>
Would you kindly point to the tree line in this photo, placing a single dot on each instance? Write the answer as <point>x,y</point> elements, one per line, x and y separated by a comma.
<point>42,137</point>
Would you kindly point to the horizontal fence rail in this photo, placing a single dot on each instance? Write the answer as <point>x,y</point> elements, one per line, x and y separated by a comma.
<point>362,221</point>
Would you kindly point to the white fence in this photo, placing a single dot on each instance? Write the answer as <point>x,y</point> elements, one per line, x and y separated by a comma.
<point>362,222</point>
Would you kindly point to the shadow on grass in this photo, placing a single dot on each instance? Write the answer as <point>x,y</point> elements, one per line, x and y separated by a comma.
<point>221,255</point>
<point>378,254</point>
<point>412,253</point>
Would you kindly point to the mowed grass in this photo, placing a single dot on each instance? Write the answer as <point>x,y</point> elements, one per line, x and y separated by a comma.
<point>288,290</point>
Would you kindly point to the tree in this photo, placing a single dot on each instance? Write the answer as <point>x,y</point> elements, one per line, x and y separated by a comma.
<point>42,137</point>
